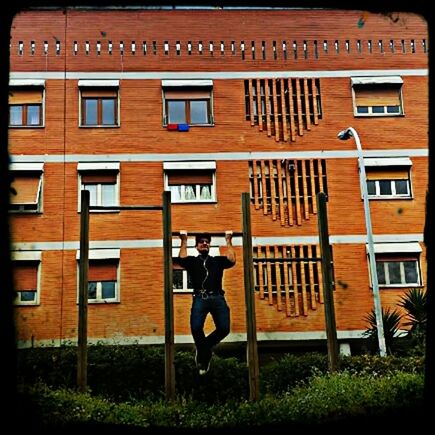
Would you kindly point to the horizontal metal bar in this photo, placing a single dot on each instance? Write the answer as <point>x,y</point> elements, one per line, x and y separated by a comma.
<point>283,260</point>
<point>212,233</point>
<point>126,207</point>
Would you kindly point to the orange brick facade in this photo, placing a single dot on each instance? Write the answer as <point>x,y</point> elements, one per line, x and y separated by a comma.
<point>328,51</point>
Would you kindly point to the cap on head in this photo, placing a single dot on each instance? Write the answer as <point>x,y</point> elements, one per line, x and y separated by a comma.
<point>201,236</point>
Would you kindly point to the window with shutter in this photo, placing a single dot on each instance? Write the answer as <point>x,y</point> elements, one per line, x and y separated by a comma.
<point>26,276</point>
<point>26,106</point>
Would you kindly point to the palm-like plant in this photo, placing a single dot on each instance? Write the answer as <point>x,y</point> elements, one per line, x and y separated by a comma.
<point>391,321</point>
<point>414,302</point>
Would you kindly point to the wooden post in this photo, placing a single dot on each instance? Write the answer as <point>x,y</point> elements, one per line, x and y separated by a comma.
<point>252,354</point>
<point>82,351</point>
<point>328,296</point>
<point>168,296</point>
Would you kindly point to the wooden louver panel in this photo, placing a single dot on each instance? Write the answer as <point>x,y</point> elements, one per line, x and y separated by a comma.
<point>25,275</point>
<point>293,285</point>
<point>377,96</point>
<point>25,95</point>
<point>287,107</point>
<point>27,188</point>
<point>286,189</point>
<point>100,270</point>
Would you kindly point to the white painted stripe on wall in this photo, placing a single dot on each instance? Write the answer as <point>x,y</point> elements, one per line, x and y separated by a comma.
<point>223,75</point>
<point>217,241</point>
<point>323,154</point>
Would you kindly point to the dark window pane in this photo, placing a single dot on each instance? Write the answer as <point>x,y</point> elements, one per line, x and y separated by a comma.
<point>33,115</point>
<point>177,279</point>
<point>362,109</point>
<point>189,282</point>
<point>393,109</point>
<point>381,272</point>
<point>385,187</point>
<point>378,109</point>
<point>16,115</point>
<point>108,289</point>
<point>108,112</point>
<point>91,113</point>
<point>176,112</point>
<point>28,296</point>
<point>411,275</point>
<point>394,272</point>
<point>402,187</point>
<point>371,187</point>
<point>92,290</point>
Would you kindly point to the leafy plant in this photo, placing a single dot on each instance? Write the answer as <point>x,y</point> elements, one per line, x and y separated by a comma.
<point>391,321</point>
<point>414,302</point>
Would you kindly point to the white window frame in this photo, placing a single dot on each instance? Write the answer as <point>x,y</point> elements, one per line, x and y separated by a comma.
<point>190,166</point>
<point>214,252</point>
<point>403,163</point>
<point>100,84</point>
<point>33,256</point>
<point>34,167</point>
<point>102,254</point>
<point>22,83</point>
<point>103,167</point>
<point>378,81</point>
<point>410,248</point>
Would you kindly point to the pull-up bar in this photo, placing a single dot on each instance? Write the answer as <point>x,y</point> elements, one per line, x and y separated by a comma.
<point>284,260</point>
<point>126,207</point>
<point>212,233</point>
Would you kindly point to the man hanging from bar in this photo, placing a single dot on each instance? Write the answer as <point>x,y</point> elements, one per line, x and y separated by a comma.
<point>206,273</point>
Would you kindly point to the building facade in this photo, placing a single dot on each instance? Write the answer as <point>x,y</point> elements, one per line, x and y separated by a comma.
<point>211,103</point>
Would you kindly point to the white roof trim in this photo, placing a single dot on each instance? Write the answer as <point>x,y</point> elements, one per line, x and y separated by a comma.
<point>101,254</point>
<point>387,161</point>
<point>111,166</point>
<point>376,80</point>
<point>188,165</point>
<point>178,83</point>
<point>99,83</point>
<point>395,248</point>
<point>37,166</point>
<point>26,255</point>
<point>26,82</point>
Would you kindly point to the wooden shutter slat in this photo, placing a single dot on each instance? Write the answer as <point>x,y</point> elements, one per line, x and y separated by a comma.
<point>280,193</point>
<point>297,195</point>
<point>99,177</point>
<point>255,184</point>
<point>314,97</point>
<point>305,190</point>
<point>99,92</point>
<point>264,187</point>
<point>272,189</point>
<point>275,110</point>
<point>307,105</point>
<point>320,174</point>
<point>295,281</point>
<point>387,175</point>
<point>25,275</point>
<point>283,113</point>
<point>303,283</point>
<point>313,187</point>
<point>269,277</point>
<point>251,103</point>
<point>27,188</point>
<point>299,108</point>
<point>286,266</point>
<point>260,273</point>
<point>319,274</point>
<point>102,270</point>
<point>176,178</point>
<point>289,193</point>
<point>278,278</point>
<point>259,109</point>
<point>292,110</point>
<point>311,279</point>
<point>25,96</point>
<point>268,114</point>
<point>188,95</point>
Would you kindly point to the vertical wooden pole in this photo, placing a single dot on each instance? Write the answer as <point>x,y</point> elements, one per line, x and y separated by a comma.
<point>168,296</point>
<point>331,329</point>
<point>82,351</point>
<point>252,354</point>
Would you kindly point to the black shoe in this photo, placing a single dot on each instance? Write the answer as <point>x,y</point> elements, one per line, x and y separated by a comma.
<point>204,366</point>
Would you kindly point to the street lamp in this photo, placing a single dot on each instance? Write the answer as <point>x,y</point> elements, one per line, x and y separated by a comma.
<point>344,135</point>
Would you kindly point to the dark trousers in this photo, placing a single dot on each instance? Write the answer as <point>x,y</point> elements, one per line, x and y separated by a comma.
<point>217,306</point>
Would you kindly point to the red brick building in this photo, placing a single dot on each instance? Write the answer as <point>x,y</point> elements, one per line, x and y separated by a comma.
<point>210,103</point>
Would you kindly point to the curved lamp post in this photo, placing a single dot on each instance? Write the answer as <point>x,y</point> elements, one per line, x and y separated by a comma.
<point>344,135</point>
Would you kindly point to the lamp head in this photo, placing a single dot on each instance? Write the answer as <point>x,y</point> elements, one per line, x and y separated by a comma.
<point>345,134</point>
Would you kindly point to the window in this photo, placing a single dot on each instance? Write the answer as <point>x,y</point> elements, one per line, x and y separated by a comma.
<point>397,264</point>
<point>187,102</point>
<point>26,187</point>
<point>190,182</point>
<point>388,178</point>
<point>26,103</point>
<point>99,106</point>
<point>103,275</point>
<point>377,96</point>
<point>26,276</point>
<point>181,281</point>
<point>102,181</point>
